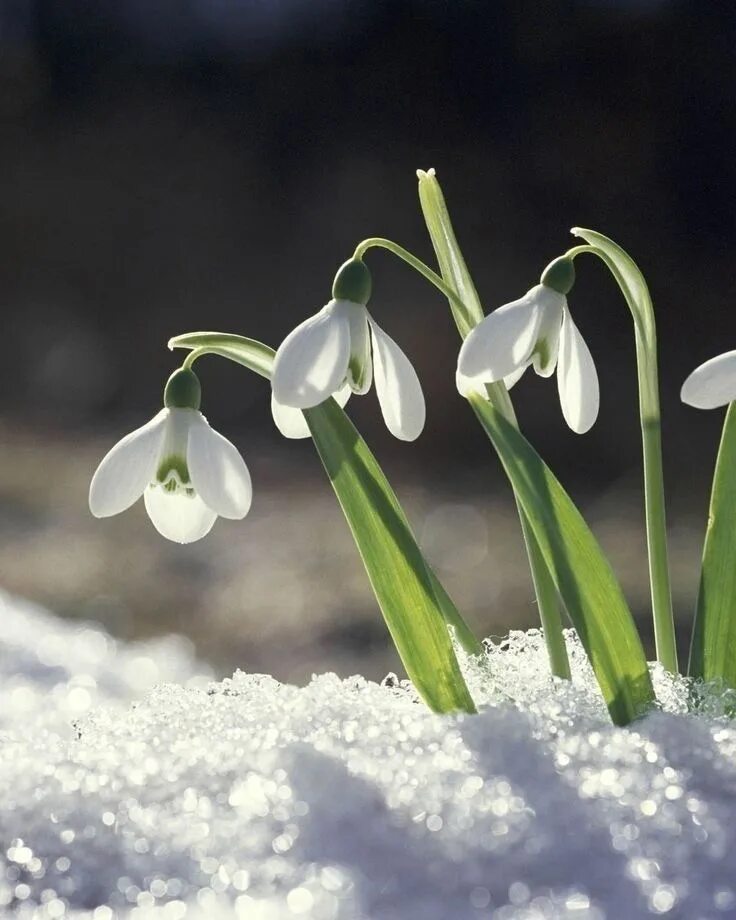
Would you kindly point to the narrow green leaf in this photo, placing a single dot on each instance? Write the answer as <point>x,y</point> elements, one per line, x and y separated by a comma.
<point>455,273</point>
<point>395,566</point>
<point>415,606</point>
<point>636,293</point>
<point>449,257</point>
<point>713,646</point>
<point>582,575</point>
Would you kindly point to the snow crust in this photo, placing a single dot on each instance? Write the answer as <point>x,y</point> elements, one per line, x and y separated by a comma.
<point>346,800</point>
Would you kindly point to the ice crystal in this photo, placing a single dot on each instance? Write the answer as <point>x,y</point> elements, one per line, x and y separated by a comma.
<point>349,800</point>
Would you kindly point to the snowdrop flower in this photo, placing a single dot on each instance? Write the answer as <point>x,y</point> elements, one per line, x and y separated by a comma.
<point>341,350</point>
<point>713,384</point>
<point>536,330</point>
<point>187,473</point>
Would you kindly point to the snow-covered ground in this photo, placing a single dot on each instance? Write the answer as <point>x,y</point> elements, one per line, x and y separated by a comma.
<point>124,796</point>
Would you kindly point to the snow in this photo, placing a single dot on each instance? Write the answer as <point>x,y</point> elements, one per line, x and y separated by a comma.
<point>124,796</point>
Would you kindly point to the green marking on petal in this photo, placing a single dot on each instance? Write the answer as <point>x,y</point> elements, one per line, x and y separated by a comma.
<point>173,473</point>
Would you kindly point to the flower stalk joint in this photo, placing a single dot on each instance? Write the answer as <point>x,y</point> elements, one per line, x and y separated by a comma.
<point>559,275</point>
<point>183,390</point>
<point>353,282</point>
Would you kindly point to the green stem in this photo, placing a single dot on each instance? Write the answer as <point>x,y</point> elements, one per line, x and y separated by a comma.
<point>192,357</point>
<point>544,586</point>
<point>656,523</point>
<point>633,287</point>
<point>378,242</point>
<point>548,601</point>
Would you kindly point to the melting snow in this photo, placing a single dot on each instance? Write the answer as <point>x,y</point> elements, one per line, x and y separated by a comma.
<point>346,800</point>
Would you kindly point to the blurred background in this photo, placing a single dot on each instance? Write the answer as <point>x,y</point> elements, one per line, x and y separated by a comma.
<point>207,164</point>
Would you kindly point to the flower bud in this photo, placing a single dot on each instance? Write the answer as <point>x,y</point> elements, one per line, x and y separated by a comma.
<point>559,275</point>
<point>183,390</point>
<point>352,282</point>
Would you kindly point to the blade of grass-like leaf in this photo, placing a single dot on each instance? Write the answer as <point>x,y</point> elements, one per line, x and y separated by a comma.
<point>395,566</point>
<point>455,273</point>
<point>713,645</point>
<point>415,606</point>
<point>449,257</point>
<point>583,577</point>
<point>636,293</point>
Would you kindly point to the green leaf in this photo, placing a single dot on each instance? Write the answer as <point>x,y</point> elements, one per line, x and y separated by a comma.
<point>395,566</point>
<point>713,647</point>
<point>449,257</point>
<point>415,607</point>
<point>581,573</point>
<point>455,274</point>
<point>636,293</point>
<point>630,280</point>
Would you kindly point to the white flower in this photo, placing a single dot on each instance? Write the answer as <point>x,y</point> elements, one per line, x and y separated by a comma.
<point>713,384</point>
<point>538,330</point>
<point>187,473</point>
<point>342,350</point>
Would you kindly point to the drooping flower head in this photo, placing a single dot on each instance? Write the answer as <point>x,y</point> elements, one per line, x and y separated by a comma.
<point>187,473</point>
<point>712,384</point>
<point>342,350</point>
<point>535,330</point>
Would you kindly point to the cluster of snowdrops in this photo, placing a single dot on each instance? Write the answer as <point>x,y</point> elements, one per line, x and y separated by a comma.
<point>188,474</point>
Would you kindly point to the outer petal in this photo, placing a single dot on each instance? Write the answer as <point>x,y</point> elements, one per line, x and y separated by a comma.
<point>577,380</point>
<point>177,516</point>
<point>312,361</point>
<point>504,340</point>
<point>291,422</point>
<point>126,470</point>
<point>218,472</point>
<point>514,378</point>
<point>397,387</point>
<point>713,384</point>
<point>467,385</point>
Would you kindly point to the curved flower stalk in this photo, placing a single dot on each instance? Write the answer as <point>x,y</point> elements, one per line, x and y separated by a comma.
<point>633,286</point>
<point>187,473</point>
<point>537,330</point>
<point>342,350</point>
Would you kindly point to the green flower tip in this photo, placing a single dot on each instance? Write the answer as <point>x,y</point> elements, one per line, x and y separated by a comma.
<point>559,275</point>
<point>352,282</point>
<point>425,174</point>
<point>183,390</point>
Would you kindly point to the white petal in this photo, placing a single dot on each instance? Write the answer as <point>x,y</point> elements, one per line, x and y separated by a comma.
<point>504,340</point>
<point>218,472</point>
<point>397,387</point>
<point>312,361</point>
<point>178,516</point>
<point>126,470</point>
<point>468,385</point>
<point>512,379</point>
<point>577,380</point>
<point>291,422</point>
<point>713,384</point>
